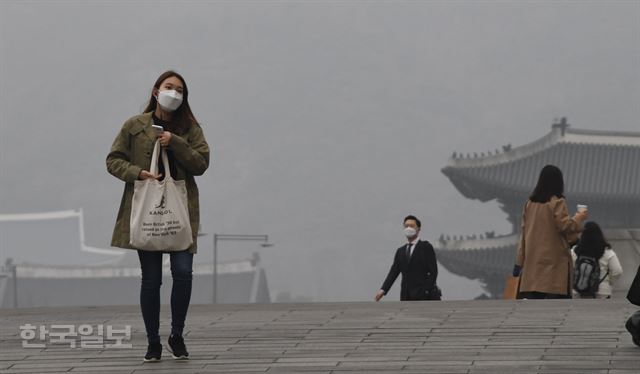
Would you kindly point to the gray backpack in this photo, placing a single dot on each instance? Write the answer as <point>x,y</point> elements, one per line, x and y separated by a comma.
<point>586,276</point>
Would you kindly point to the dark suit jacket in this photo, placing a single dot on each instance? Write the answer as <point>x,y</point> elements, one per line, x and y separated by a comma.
<point>419,273</point>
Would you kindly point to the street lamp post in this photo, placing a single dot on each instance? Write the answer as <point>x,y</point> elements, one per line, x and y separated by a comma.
<point>230,237</point>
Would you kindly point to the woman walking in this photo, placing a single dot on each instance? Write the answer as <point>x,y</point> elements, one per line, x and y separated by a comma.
<point>544,260</point>
<point>129,159</point>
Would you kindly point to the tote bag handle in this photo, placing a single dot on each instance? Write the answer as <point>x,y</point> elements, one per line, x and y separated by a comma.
<point>153,168</point>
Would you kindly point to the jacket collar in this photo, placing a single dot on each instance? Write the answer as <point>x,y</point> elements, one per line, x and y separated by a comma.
<point>415,241</point>
<point>145,120</point>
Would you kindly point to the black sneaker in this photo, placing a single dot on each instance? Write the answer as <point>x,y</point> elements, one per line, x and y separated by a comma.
<point>177,348</point>
<point>154,353</point>
<point>634,331</point>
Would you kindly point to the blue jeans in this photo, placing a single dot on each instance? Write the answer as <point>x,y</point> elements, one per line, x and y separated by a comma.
<point>181,272</point>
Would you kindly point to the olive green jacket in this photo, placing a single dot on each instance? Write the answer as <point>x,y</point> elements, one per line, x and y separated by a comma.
<point>131,153</point>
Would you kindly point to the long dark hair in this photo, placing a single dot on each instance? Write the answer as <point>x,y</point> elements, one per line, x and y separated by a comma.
<point>592,242</point>
<point>550,183</point>
<point>182,118</point>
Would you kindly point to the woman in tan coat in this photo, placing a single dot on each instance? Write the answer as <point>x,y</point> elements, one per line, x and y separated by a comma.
<point>129,159</point>
<point>544,259</point>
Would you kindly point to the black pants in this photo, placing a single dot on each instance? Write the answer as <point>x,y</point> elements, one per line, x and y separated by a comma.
<point>541,295</point>
<point>181,272</point>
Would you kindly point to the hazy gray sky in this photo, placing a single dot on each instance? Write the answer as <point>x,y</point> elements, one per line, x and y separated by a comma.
<point>329,120</point>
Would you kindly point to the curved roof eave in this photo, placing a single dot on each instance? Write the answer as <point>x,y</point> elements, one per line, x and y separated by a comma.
<point>479,189</point>
<point>506,241</point>
<point>478,263</point>
<point>557,135</point>
<point>597,165</point>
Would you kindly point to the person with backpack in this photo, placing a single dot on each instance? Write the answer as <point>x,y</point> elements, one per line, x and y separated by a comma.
<point>543,260</point>
<point>596,265</point>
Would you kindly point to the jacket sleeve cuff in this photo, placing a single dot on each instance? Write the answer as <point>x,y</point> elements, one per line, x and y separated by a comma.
<point>178,144</point>
<point>132,174</point>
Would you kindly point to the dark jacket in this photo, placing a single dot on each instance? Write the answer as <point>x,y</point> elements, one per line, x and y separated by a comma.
<point>131,152</point>
<point>419,273</point>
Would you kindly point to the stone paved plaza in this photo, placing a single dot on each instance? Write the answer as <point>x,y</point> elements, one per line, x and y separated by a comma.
<point>492,336</point>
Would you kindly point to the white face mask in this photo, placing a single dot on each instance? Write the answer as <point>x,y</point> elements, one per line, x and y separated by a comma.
<point>169,100</point>
<point>409,232</point>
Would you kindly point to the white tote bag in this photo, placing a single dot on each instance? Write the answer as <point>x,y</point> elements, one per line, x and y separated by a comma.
<point>159,211</point>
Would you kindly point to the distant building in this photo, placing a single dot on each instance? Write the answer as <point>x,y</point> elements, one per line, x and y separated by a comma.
<point>66,272</point>
<point>601,169</point>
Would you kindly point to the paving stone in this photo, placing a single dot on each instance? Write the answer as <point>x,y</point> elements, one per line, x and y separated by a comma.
<point>34,371</point>
<point>493,336</point>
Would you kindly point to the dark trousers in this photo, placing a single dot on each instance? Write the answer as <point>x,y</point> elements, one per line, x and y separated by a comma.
<point>541,295</point>
<point>181,272</point>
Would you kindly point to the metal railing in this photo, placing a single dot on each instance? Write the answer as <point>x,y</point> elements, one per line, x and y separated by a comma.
<point>231,237</point>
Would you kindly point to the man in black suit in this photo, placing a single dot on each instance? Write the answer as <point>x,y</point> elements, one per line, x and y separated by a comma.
<point>416,260</point>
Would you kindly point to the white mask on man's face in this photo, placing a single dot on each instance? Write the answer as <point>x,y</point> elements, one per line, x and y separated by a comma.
<point>410,232</point>
<point>169,100</point>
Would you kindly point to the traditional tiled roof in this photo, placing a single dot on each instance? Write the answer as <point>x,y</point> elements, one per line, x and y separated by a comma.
<point>478,258</point>
<point>474,258</point>
<point>598,164</point>
<point>599,167</point>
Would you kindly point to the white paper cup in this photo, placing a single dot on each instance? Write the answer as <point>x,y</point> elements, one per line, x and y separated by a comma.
<point>581,207</point>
